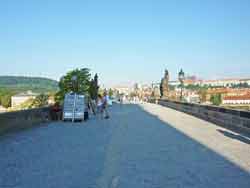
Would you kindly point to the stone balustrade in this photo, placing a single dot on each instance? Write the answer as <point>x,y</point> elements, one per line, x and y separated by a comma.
<point>18,120</point>
<point>237,120</point>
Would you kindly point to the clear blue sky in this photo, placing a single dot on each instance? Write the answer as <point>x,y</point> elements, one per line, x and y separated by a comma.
<point>125,40</point>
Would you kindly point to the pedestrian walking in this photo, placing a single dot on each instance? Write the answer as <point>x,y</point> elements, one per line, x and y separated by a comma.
<point>99,105</point>
<point>86,108</point>
<point>121,100</point>
<point>105,105</point>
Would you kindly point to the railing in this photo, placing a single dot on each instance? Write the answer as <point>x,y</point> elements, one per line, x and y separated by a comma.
<point>238,120</point>
<point>13,121</point>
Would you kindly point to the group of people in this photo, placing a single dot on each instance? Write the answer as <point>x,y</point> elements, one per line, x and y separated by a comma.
<point>98,107</point>
<point>101,106</point>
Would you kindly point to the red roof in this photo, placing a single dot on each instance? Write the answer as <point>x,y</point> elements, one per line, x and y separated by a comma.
<point>217,90</point>
<point>239,97</point>
<point>230,91</point>
<point>189,81</point>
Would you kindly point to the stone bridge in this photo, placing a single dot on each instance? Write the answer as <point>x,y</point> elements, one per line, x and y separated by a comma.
<point>141,146</point>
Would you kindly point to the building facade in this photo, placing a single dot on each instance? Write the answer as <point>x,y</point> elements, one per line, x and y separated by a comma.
<point>224,82</point>
<point>21,98</point>
<point>236,100</point>
<point>2,109</point>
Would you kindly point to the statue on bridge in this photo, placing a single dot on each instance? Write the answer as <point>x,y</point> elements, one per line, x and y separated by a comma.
<point>164,90</point>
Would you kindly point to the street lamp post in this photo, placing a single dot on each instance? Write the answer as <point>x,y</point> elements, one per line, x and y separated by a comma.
<point>74,83</point>
<point>181,77</point>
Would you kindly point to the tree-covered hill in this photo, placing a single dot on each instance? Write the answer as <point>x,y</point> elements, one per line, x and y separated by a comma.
<point>21,83</point>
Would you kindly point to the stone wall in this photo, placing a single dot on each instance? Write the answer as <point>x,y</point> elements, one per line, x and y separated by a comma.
<point>13,121</point>
<point>233,119</point>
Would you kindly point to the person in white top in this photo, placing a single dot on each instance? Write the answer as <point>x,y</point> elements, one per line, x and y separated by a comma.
<point>99,104</point>
<point>105,105</point>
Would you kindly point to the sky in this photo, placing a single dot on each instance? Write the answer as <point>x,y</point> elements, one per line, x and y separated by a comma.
<point>125,41</point>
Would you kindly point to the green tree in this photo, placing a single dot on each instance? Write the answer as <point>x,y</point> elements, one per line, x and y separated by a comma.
<point>110,92</point>
<point>93,88</point>
<point>80,85</point>
<point>6,100</point>
<point>241,85</point>
<point>193,87</point>
<point>5,96</point>
<point>27,104</point>
<point>40,101</point>
<point>216,99</point>
<point>203,94</point>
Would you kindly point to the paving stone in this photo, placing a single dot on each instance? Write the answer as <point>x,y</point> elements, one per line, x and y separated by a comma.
<point>139,146</point>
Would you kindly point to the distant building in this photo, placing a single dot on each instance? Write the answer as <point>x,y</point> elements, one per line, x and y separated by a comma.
<point>227,92</point>
<point>216,91</point>
<point>2,109</point>
<point>242,81</point>
<point>236,100</point>
<point>137,86</point>
<point>123,89</point>
<point>191,80</point>
<point>188,95</point>
<point>51,100</point>
<point>224,82</point>
<point>238,92</point>
<point>192,97</point>
<point>174,83</point>
<point>20,98</point>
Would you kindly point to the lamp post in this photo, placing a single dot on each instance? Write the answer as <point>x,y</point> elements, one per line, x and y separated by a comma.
<point>181,77</point>
<point>74,83</point>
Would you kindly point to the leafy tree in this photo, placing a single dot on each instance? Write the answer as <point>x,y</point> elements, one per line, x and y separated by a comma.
<point>80,85</point>
<point>110,92</point>
<point>6,100</point>
<point>101,91</point>
<point>203,94</point>
<point>5,96</point>
<point>193,87</point>
<point>93,88</point>
<point>40,101</point>
<point>241,85</point>
<point>216,99</point>
<point>27,104</point>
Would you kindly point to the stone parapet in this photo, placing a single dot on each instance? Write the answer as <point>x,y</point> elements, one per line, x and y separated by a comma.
<point>13,121</point>
<point>236,120</point>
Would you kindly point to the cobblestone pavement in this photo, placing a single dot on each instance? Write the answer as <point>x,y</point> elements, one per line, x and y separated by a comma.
<point>141,146</point>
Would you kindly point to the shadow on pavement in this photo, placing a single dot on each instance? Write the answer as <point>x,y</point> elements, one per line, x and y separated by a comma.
<point>133,149</point>
<point>181,160</point>
<point>234,136</point>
